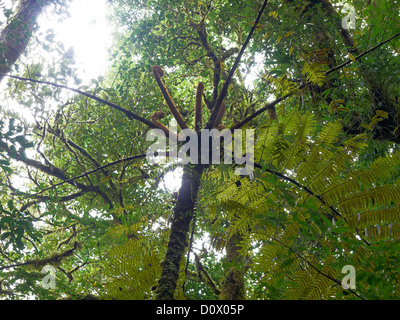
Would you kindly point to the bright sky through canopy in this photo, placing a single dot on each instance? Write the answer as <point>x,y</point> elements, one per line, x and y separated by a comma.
<point>87,31</point>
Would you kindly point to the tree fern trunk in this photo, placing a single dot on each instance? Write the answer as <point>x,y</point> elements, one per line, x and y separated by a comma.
<point>178,240</point>
<point>380,97</point>
<point>233,287</point>
<point>15,36</point>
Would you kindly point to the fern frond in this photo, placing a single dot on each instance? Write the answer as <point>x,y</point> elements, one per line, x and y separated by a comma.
<point>127,230</point>
<point>315,66</point>
<point>242,193</point>
<point>278,146</point>
<point>284,86</point>
<point>301,130</point>
<point>374,217</point>
<point>133,266</point>
<point>286,208</point>
<point>387,232</point>
<point>380,170</point>
<point>322,285</point>
<point>314,283</point>
<point>138,287</point>
<point>300,286</point>
<point>382,196</point>
<point>263,148</point>
<point>320,152</point>
<point>241,224</point>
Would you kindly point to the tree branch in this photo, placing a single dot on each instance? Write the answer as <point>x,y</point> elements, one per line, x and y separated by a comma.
<point>54,259</point>
<point>268,106</point>
<point>158,73</point>
<point>70,144</point>
<point>131,115</point>
<point>71,180</point>
<point>272,104</point>
<point>362,54</point>
<point>205,277</point>
<point>314,267</point>
<point>224,90</point>
<point>40,199</point>
<point>55,172</point>
<point>198,109</point>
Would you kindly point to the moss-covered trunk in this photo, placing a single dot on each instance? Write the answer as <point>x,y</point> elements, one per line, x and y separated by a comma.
<point>233,286</point>
<point>15,36</point>
<point>178,240</point>
<point>380,96</point>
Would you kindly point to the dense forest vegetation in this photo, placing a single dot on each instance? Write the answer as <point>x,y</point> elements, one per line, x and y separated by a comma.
<point>84,212</point>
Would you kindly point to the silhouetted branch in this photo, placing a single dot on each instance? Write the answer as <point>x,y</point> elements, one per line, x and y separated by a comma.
<point>224,90</point>
<point>131,115</point>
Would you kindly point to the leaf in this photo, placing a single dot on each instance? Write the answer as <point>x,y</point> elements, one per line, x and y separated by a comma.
<point>268,34</point>
<point>274,14</point>
<point>288,34</point>
<point>105,179</point>
<point>352,58</point>
<point>10,205</point>
<point>5,235</point>
<point>4,162</point>
<point>5,220</point>
<point>383,114</point>
<point>340,229</point>
<point>7,169</point>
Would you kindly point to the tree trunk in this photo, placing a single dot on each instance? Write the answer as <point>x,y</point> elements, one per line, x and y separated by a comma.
<point>178,240</point>
<point>380,97</point>
<point>15,36</point>
<point>233,287</point>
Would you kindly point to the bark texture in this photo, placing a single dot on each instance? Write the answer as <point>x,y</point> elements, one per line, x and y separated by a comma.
<point>379,95</point>
<point>233,286</point>
<point>16,35</point>
<point>178,241</point>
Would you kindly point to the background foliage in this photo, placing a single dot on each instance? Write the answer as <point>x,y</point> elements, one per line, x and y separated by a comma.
<point>78,194</point>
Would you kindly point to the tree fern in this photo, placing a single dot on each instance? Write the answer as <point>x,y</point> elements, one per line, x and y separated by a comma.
<point>305,180</point>
<point>284,215</point>
<point>133,265</point>
<point>315,66</point>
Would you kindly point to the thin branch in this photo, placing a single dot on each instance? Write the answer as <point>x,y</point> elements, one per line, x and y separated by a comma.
<point>45,198</point>
<point>71,180</point>
<point>15,265</point>
<point>220,115</point>
<point>208,280</point>
<point>158,74</point>
<point>224,90</point>
<point>362,54</point>
<point>272,104</point>
<point>131,115</point>
<point>314,267</point>
<point>55,172</point>
<point>310,192</point>
<point>268,106</point>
